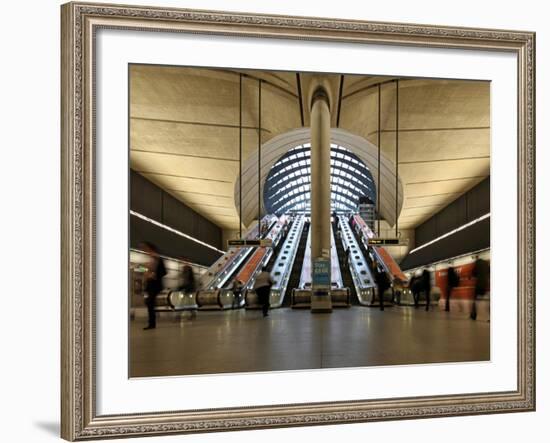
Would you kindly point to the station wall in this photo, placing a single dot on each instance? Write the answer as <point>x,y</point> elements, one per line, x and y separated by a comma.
<point>148,199</point>
<point>467,208</point>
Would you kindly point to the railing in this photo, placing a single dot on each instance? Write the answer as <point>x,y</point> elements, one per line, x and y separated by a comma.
<point>382,256</point>
<point>335,273</point>
<point>226,265</point>
<point>360,272</point>
<point>235,260</point>
<point>285,260</point>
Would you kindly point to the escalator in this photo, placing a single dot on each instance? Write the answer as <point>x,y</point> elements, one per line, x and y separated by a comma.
<point>273,232</point>
<point>362,246</point>
<point>359,266</point>
<point>280,265</point>
<point>347,279</point>
<point>279,245</point>
<point>226,267</point>
<point>241,263</point>
<point>378,253</point>
<point>294,280</point>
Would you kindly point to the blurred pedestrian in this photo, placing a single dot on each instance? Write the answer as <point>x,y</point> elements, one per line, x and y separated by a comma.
<point>153,281</point>
<point>427,287</point>
<point>453,281</point>
<point>188,280</point>
<point>188,285</point>
<point>415,285</point>
<point>481,274</point>
<point>382,284</point>
<point>236,288</point>
<point>262,286</point>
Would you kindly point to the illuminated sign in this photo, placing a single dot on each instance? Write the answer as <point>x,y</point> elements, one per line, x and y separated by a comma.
<point>321,273</point>
<point>383,241</point>
<point>265,242</point>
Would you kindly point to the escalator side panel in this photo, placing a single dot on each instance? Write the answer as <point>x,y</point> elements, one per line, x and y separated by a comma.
<point>296,270</point>
<point>335,274</point>
<point>361,274</point>
<point>247,271</point>
<point>382,255</point>
<point>305,275</point>
<point>282,268</point>
<point>228,269</point>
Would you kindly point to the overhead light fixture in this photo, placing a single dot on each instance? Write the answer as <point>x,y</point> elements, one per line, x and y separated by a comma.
<point>454,231</point>
<point>175,231</point>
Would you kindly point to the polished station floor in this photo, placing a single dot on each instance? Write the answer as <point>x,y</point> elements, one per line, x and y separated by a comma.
<point>244,341</point>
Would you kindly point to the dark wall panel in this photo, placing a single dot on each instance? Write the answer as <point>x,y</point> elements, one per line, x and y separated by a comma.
<point>145,197</point>
<point>179,216</point>
<point>469,206</point>
<point>477,200</point>
<point>473,238</point>
<point>450,218</point>
<point>148,199</point>
<point>424,232</point>
<point>170,244</point>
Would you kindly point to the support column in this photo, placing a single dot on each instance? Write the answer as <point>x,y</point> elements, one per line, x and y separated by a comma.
<point>320,201</point>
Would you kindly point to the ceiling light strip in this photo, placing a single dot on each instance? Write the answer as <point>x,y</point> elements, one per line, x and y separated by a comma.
<point>460,228</point>
<point>175,231</point>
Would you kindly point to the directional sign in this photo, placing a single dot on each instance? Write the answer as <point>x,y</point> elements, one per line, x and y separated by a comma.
<point>383,241</point>
<point>321,273</point>
<point>266,242</point>
<point>236,243</point>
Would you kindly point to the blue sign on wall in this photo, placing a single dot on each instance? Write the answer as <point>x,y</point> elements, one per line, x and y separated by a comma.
<point>321,272</point>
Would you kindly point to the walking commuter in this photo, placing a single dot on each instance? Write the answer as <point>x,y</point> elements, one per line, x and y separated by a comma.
<point>415,286</point>
<point>262,286</point>
<point>426,286</point>
<point>481,274</point>
<point>346,260</point>
<point>236,288</point>
<point>188,280</point>
<point>382,284</point>
<point>452,282</point>
<point>188,284</point>
<point>153,281</point>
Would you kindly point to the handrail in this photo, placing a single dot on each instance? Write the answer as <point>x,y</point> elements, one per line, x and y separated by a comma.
<point>349,240</point>
<point>281,282</point>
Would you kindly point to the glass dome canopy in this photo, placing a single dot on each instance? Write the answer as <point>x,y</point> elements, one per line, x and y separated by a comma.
<point>288,184</point>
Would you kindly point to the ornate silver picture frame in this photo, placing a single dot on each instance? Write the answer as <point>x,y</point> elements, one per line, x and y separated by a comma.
<point>80,23</point>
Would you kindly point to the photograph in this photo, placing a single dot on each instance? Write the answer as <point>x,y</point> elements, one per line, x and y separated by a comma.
<point>283,221</point>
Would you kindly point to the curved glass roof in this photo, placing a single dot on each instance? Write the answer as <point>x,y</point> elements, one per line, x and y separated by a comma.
<point>288,184</point>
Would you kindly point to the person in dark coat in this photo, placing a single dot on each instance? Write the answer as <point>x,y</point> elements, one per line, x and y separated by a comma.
<point>262,286</point>
<point>427,287</point>
<point>188,283</point>
<point>415,285</point>
<point>236,288</point>
<point>153,281</point>
<point>346,258</point>
<point>481,274</point>
<point>382,284</point>
<point>452,282</point>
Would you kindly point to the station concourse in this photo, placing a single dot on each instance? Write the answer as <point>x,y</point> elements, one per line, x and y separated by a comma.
<point>361,196</point>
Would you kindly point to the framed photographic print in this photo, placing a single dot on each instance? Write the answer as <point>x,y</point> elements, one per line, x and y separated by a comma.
<point>282,221</point>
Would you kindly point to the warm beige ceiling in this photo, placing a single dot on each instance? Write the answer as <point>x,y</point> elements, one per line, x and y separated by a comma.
<point>184,131</point>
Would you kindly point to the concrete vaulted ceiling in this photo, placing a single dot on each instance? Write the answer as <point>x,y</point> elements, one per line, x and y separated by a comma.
<point>184,131</point>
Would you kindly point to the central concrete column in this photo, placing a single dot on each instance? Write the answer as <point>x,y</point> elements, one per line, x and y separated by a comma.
<point>320,175</point>
<point>320,200</point>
